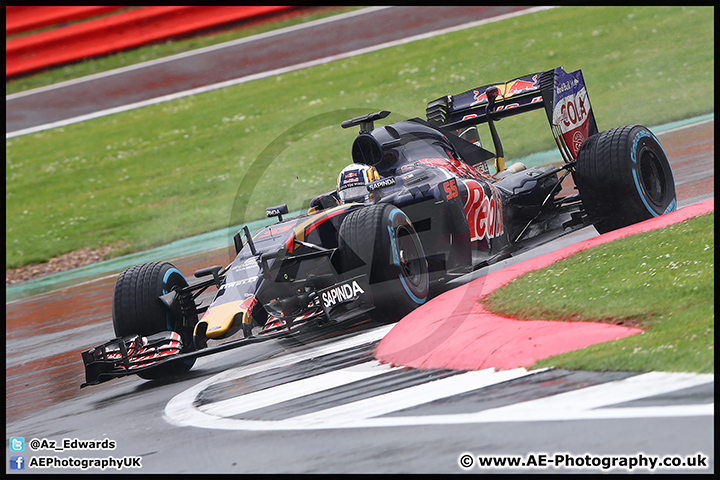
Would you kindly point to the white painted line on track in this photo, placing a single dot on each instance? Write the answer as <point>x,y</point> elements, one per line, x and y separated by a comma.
<point>181,411</point>
<point>493,416</point>
<point>292,390</point>
<point>599,402</point>
<point>177,413</point>
<point>356,413</point>
<point>258,76</point>
<point>589,403</point>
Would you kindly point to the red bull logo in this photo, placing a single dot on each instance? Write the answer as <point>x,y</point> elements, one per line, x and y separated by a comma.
<point>519,86</point>
<point>248,303</point>
<point>479,98</point>
<point>507,90</point>
<point>484,214</point>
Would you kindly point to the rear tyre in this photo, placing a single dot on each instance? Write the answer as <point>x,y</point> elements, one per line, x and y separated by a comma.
<point>381,242</point>
<point>137,309</point>
<point>624,177</point>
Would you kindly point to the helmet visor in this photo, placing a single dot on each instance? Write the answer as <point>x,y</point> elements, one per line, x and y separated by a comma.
<point>353,194</point>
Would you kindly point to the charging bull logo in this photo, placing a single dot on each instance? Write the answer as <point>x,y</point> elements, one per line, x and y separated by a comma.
<point>484,214</point>
<point>507,90</point>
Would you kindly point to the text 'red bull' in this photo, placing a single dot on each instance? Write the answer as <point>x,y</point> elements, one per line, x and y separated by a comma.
<point>484,214</point>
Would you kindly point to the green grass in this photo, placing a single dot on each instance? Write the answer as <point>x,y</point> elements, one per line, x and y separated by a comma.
<point>661,281</point>
<point>150,176</point>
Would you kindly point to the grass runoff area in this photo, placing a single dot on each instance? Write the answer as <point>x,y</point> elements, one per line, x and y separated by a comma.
<point>662,282</point>
<point>150,176</point>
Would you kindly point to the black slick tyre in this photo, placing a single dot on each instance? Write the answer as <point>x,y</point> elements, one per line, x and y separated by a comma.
<point>137,309</point>
<point>624,177</point>
<point>381,242</point>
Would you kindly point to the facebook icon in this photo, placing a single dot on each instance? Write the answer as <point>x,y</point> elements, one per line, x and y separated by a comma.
<point>17,462</point>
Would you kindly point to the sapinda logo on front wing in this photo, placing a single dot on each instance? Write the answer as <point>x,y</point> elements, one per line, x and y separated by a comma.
<point>346,292</point>
<point>484,214</point>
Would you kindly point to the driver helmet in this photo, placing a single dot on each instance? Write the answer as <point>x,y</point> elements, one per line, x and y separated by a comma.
<point>352,181</point>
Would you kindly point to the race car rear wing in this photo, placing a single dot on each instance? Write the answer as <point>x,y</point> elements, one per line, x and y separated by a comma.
<point>562,94</point>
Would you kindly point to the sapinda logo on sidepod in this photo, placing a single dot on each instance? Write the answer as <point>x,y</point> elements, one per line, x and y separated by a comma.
<point>484,214</point>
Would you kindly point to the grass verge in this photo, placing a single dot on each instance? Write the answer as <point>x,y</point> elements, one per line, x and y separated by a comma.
<point>660,281</point>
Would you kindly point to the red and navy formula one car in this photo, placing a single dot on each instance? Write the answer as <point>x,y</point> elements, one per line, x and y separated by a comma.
<point>434,204</point>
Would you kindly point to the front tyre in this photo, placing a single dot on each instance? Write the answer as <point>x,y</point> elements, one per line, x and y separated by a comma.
<point>624,177</point>
<point>381,242</point>
<point>137,309</point>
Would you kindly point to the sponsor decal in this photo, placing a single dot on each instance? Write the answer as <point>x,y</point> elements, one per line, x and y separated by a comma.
<point>349,182</point>
<point>246,306</point>
<point>577,139</point>
<point>244,281</point>
<point>571,108</point>
<point>572,111</point>
<point>507,90</point>
<point>343,293</point>
<point>386,182</point>
<point>248,303</point>
<point>483,212</point>
<point>519,86</point>
<point>246,264</point>
<point>276,211</point>
<point>456,167</point>
<point>352,178</point>
<point>515,105</point>
<point>275,230</point>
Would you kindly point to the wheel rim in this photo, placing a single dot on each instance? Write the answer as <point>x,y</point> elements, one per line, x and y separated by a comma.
<point>411,262</point>
<point>652,177</point>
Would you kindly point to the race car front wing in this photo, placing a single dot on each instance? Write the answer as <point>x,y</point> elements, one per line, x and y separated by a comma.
<point>133,354</point>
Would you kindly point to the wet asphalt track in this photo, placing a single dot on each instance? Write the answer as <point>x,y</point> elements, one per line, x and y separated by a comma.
<point>44,401</point>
